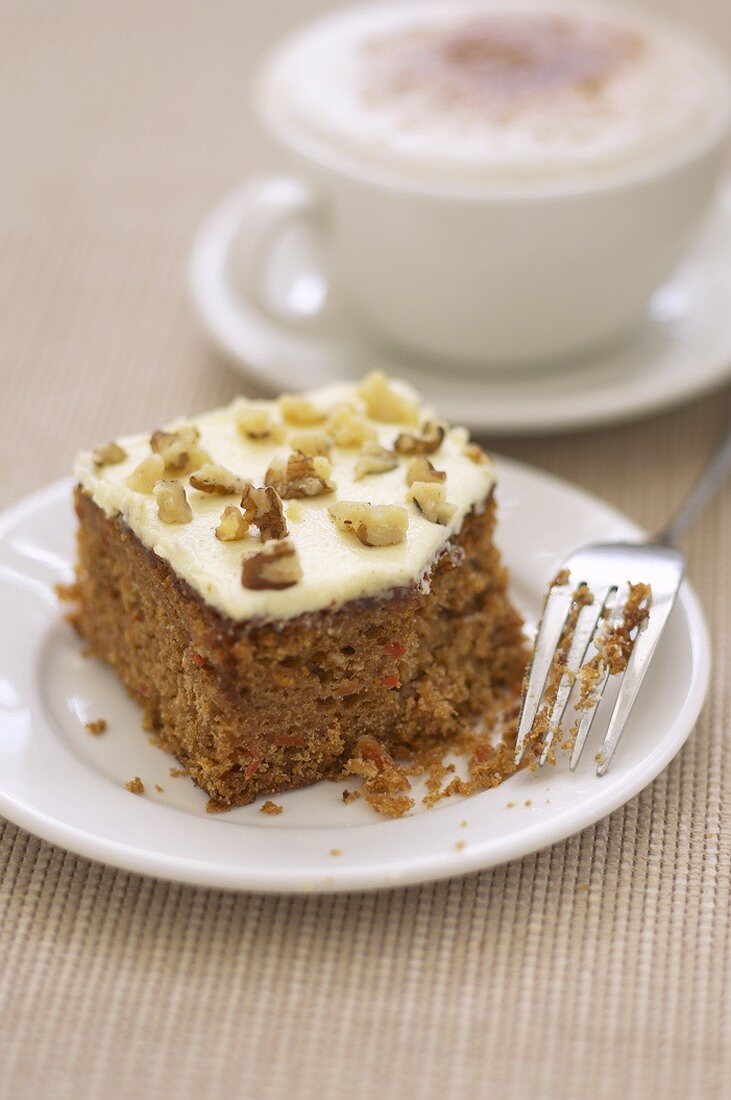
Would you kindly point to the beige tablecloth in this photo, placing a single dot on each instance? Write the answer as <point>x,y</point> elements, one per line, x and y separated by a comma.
<point>599,968</point>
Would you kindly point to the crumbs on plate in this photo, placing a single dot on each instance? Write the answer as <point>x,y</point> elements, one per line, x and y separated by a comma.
<point>96,726</point>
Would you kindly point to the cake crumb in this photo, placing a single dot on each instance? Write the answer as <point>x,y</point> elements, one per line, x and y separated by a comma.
<point>96,726</point>
<point>350,796</point>
<point>460,845</point>
<point>159,789</point>
<point>528,802</point>
<point>177,772</point>
<point>463,824</point>
<point>336,851</point>
<point>135,786</point>
<point>384,783</point>
<point>270,807</point>
<point>510,805</point>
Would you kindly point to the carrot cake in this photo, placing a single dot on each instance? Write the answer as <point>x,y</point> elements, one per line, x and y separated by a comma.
<point>282,584</point>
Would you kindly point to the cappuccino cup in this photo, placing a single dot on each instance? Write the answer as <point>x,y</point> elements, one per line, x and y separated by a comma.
<point>490,184</point>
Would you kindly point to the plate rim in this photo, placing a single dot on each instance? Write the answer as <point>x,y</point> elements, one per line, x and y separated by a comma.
<point>432,867</point>
<point>207,259</point>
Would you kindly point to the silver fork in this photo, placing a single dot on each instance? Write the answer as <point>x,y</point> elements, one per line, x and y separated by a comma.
<point>606,569</point>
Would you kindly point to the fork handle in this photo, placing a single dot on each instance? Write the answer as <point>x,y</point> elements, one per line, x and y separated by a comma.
<point>701,494</point>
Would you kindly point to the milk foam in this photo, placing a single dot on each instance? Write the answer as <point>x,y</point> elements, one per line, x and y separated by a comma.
<point>492,90</point>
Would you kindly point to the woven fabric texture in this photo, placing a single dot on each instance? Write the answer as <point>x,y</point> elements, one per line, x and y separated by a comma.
<point>599,968</point>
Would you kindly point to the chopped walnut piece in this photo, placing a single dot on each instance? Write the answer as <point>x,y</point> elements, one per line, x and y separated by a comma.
<point>374,459</point>
<point>312,442</point>
<point>475,453</point>
<point>300,475</point>
<point>258,424</point>
<point>172,503</point>
<point>299,410</point>
<point>233,525</point>
<point>429,498</point>
<point>110,454</point>
<point>212,478</point>
<point>427,443</point>
<point>145,476</point>
<point>421,469</point>
<point>384,402</point>
<point>180,449</point>
<point>264,508</point>
<point>374,524</point>
<point>348,427</point>
<point>276,566</point>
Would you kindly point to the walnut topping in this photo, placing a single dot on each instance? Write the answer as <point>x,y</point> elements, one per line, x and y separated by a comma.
<point>143,477</point>
<point>215,479</point>
<point>160,440</point>
<point>299,410</point>
<point>300,475</point>
<point>258,424</point>
<point>264,508</point>
<point>427,443</point>
<point>109,455</point>
<point>428,496</point>
<point>172,503</point>
<point>180,450</point>
<point>374,524</point>
<point>348,428</point>
<point>421,469</point>
<point>311,442</point>
<point>384,402</point>
<point>476,454</point>
<point>276,566</point>
<point>374,459</point>
<point>233,525</point>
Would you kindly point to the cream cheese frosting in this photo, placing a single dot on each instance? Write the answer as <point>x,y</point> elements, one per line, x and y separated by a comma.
<point>336,567</point>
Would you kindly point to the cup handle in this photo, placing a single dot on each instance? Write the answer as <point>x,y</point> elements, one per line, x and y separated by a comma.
<point>277,203</point>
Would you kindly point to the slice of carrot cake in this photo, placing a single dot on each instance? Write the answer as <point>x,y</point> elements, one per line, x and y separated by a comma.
<point>275,581</point>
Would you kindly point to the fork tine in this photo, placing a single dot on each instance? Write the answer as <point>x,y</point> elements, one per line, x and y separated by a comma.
<point>555,612</point>
<point>588,714</point>
<point>632,678</point>
<point>586,624</point>
<point>586,721</point>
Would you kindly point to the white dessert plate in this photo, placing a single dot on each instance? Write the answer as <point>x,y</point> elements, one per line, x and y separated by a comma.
<point>64,784</point>
<point>682,350</point>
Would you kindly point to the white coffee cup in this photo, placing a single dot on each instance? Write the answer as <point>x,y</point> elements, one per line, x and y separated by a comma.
<point>474,268</point>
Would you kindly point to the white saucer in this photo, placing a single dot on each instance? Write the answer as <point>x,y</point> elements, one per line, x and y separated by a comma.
<point>683,349</point>
<point>62,783</point>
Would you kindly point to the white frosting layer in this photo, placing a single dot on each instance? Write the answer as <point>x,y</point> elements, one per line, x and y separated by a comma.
<point>336,566</point>
<point>367,81</point>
